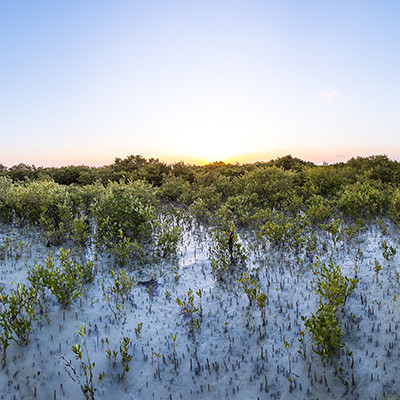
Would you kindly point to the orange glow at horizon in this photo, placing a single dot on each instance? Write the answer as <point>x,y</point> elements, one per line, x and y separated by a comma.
<point>209,156</point>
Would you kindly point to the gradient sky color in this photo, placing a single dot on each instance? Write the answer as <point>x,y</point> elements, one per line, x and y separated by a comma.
<point>85,81</point>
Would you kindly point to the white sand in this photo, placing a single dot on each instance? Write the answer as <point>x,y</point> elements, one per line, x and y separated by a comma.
<point>235,364</point>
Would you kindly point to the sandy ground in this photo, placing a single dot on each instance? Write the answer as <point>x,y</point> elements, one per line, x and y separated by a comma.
<point>232,355</point>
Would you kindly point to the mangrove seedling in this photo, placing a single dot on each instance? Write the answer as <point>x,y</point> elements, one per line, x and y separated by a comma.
<point>188,308</point>
<point>87,383</point>
<point>290,379</point>
<point>124,248</point>
<point>173,337</point>
<point>261,300</point>
<point>325,330</point>
<point>333,289</point>
<point>158,355</point>
<point>250,286</point>
<point>126,357</point>
<point>167,240</point>
<point>122,285</point>
<point>17,312</point>
<point>226,252</point>
<point>377,268</point>
<point>388,251</point>
<point>138,329</point>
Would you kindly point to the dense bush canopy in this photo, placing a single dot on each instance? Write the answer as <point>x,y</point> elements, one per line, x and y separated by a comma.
<point>361,188</point>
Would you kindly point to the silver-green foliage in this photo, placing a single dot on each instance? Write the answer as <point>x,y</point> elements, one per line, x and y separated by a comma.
<point>388,251</point>
<point>125,249</point>
<point>122,285</point>
<point>192,309</point>
<point>80,233</point>
<point>333,288</point>
<point>250,286</point>
<point>120,207</point>
<point>86,366</point>
<point>123,354</point>
<point>120,291</point>
<point>64,281</point>
<point>226,252</point>
<point>17,312</point>
<point>167,239</point>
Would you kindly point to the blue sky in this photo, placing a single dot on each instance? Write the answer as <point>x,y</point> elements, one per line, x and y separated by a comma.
<point>83,82</point>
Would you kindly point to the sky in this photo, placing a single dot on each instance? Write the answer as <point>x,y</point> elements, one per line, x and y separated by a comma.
<point>86,81</point>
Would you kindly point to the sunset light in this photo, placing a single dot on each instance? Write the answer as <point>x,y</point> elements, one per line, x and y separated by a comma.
<point>85,82</point>
<point>199,199</point>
